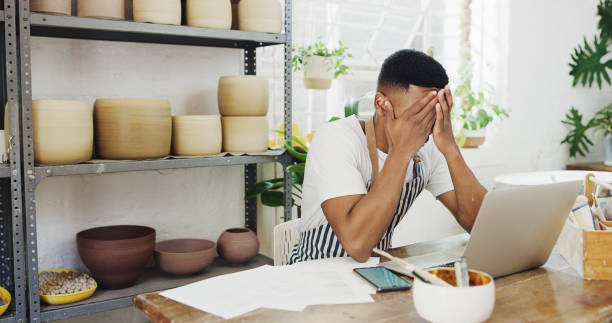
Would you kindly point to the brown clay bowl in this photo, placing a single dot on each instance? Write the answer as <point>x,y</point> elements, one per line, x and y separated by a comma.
<point>238,245</point>
<point>185,256</point>
<point>116,255</point>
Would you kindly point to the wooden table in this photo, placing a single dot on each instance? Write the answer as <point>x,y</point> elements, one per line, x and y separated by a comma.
<point>595,167</point>
<point>551,293</point>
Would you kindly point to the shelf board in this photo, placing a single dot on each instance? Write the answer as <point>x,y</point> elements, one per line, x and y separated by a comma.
<point>144,165</point>
<point>119,30</point>
<point>151,281</point>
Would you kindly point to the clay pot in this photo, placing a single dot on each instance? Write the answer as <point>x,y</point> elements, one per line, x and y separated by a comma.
<point>132,128</point>
<point>185,256</point>
<point>209,13</point>
<point>260,16</point>
<point>196,135</point>
<point>318,73</point>
<point>56,7</point>
<point>243,95</point>
<point>107,9</point>
<point>235,14</point>
<point>63,131</point>
<point>245,134</point>
<point>116,255</point>
<point>474,138</point>
<point>158,11</point>
<point>238,245</point>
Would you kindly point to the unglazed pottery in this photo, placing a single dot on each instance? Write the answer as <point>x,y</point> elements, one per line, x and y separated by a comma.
<point>197,135</point>
<point>63,131</point>
<point>56,7</point>
<point>209,13</point>
<point>132,128</point>
<point>158,11</point>
<point>116,255</point>
<point>185,256</point>
<point>238,246</point>
<point>103,9</point>
<point>245,134</point>
<point>318,73</point>
<point>235,14</point>
<point>260,16</point>
<point>243,96</point>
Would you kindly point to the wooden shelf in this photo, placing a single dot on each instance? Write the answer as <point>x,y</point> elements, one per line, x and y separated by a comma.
<point>596,167</point>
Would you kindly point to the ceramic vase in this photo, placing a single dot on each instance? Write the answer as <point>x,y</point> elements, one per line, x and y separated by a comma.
<point>245,134</point>
<point>243,95</point>
<point>209,13</point>
<point>103,9</point>
<point>56,7</point>
<point>158,11</point>
<point>260,16</point>
<point>318,73</point>
<point>238,246</point>
<point>196,135</point>
<point>132,128</point>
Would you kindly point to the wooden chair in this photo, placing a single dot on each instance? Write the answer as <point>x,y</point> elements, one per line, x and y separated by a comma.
<point>286,235</point>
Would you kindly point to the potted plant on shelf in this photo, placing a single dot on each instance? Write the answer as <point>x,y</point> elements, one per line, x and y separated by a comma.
<point>320,64</point>
<point>592,63</point>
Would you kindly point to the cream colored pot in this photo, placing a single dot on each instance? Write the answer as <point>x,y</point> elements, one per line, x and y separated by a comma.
<point>196,135</point>
<point>209,13</point>
<point>318,73</point>
<point>158,11</point>
<point>132,128</point>
<point>243,95</point>
<point>63,131</point>
<point>245,134</point>
<point>56,7</point>
<point>103,9</point>
<point>260,15</point>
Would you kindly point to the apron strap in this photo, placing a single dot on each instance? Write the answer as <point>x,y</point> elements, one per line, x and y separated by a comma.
<point>371,140</point>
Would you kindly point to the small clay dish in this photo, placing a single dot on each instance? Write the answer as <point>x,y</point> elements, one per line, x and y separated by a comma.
<point>185,256</point>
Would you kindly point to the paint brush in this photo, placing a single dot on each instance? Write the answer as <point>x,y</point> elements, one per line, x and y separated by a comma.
<point>416,271</point>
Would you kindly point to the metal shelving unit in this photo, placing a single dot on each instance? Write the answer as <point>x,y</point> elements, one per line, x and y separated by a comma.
<point>97,29</point>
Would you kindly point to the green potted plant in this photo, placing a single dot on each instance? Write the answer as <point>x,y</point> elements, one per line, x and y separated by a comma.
<point>320,64</point>
<point>591,63</point>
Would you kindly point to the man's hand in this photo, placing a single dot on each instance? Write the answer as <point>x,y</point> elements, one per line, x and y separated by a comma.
<point>443,130</point>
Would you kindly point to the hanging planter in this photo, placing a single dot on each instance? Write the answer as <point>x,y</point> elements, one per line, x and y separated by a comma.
<point>260,16</point>
<point>474,138</point>
<point>318,73</point>
<point>209,13</point>
<point>320,64</point>
<point>158,11</point>
<point>56,7</point>
<point>109,9</point>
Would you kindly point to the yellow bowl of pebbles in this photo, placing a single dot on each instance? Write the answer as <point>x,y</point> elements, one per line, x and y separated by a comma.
<point>5,296</point>
<point>64,286</point>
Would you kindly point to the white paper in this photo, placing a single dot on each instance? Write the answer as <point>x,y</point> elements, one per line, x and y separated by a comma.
<point>291,288</point>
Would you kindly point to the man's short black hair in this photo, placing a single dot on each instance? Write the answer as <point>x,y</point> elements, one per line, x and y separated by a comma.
<point>408,66</point>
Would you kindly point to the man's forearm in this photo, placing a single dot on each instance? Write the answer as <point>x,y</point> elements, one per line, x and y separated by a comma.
<point>468,190</point>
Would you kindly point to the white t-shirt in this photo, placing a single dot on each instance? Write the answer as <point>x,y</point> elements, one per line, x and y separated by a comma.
<point>338,165</point>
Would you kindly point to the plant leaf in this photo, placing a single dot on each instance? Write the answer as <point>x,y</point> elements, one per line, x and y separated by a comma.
<point>273,198</point>
<point>587,66</point>
<point>604,11</point>
<point>293,152</point>
<point>263,186</point>
<point>577,139</point>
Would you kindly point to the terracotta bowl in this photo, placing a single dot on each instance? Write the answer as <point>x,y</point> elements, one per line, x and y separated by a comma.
<point>108,9</point>
<point>243,96</point>
<point>132,128</point>
<point>56,7</point>
<point>238,246</point>
<point>116,255</point>
<point>245,134</point>
<point>185,256</point>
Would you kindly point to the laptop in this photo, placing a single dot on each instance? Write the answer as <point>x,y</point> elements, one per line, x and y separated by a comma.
<point>516,230</point>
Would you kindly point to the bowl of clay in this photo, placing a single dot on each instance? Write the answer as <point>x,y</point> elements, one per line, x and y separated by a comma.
<point>185,256</point>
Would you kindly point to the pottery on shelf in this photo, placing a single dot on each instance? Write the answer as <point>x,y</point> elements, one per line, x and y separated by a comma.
<point>185,256</point>
<point>238,246</point>
<point>318,73</point>
<point>56,7</point>
<point>243,95</point>
<point>116,255</point>
<point>209,13</point>
<point>158,11</point>
<point>132,128</point>
<point>260,16</point>
<point>196,135</point>
<point>245,134</point>
<point>107,9</point>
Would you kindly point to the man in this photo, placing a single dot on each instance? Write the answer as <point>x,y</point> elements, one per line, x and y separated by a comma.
<point>362,178</point>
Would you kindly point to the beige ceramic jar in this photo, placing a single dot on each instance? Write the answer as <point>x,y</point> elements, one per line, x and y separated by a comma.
<point>63,131</point>
<point>209,13</point>
<point>158,11</point>
<point>103,9</point>
<point>245,134</point>
<point>56,7</point>
<point>132,128</point>
<point>198,135</point>
<point>243,95</point>
<point>260,16</point>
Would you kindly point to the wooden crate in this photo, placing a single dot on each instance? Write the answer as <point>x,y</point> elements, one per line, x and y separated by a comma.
<point>588,252</point>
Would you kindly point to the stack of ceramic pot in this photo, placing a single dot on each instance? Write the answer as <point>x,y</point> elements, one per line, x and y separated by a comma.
<point>243,103</point>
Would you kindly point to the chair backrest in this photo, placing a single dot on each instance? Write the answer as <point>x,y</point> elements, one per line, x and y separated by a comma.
<point>286,235</point>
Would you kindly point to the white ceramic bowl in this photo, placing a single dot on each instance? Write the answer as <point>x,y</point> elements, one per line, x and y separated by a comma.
<point>452,304</point>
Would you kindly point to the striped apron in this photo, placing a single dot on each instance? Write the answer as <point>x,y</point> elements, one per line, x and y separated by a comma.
<point>321,242</point>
